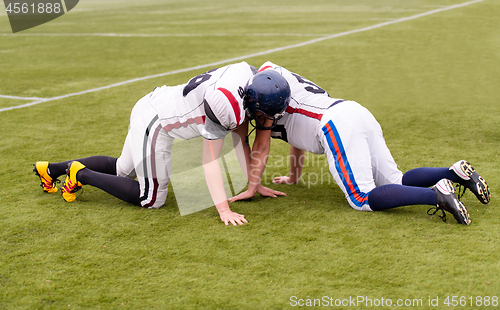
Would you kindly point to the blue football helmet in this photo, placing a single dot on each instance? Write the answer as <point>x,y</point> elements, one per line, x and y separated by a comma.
<point>267,92</point>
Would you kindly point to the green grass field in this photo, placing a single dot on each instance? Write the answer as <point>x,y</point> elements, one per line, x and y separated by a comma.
<point>432,83</point>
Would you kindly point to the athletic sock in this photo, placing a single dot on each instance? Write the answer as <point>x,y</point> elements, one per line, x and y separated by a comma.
<point>104,164</point>
<point>427,177</point>
<point>394,195</point>
<point>122,188</point>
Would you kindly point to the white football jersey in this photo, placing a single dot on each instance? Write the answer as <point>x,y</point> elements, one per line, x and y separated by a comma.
<point>300,126</point>
<point>181,108</point>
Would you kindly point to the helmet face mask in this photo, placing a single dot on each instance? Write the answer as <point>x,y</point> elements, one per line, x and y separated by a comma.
<point>267,95</point>
<point>260,119</point>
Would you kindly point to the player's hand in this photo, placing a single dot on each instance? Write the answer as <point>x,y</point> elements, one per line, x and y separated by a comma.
<point>243,196</point>
<point>268,192</point>
<point>284,180</point>
<point>234,218</point>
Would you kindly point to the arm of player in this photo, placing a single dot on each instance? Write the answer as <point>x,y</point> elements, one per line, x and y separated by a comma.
<point>243,153</point>
<point>241,147</point>
<point>258,161</point>
<point>215,183</point>
<point>296,164</point>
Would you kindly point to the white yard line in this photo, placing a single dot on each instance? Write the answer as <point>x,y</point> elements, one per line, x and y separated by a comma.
<point>21,98</point>
<point>152,35</point>
<point>278,49</point>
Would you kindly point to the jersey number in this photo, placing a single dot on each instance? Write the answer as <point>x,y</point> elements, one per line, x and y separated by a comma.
<point>196,81</point>
<point>312,88</point>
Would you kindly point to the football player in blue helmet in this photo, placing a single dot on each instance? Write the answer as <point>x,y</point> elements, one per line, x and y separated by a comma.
<point>267,95</point>
<point>265,99</point>
<point>351,138</point>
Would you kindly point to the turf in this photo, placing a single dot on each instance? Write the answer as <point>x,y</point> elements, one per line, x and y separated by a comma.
<point>431,82</point>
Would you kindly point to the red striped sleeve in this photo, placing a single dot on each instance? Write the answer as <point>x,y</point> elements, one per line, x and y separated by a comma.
<point>291,110</point>
<point>234,103</point>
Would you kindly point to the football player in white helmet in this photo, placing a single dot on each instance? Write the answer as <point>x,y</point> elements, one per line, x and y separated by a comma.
<point>209,105</point>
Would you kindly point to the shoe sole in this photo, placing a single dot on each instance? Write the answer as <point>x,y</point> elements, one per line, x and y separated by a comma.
<point>480,187</point>
<point>463,216</point>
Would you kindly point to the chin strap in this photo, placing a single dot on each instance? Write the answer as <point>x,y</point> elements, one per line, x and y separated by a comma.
<point>247,141</point>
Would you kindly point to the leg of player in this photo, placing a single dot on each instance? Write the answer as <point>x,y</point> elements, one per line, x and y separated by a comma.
<point>427,176</point>
<point>150,191</point>
<point>359,166</point>
<point>461,172</point>
<point>104,164</point>
<point>78,175</point>
<point>49,172</point>
<point>441,195</point>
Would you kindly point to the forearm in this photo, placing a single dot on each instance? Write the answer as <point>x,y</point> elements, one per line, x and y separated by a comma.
<point>213,174</point>
<point>258,161</point>
<point>296,164</point>
<point>215,184</point>
<point>242,150</point>
<point>252,160</point>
